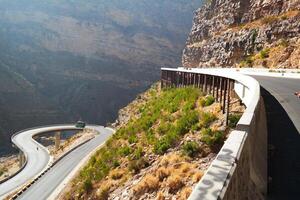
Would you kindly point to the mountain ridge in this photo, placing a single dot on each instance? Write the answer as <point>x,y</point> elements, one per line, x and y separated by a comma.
<point>85,59</point>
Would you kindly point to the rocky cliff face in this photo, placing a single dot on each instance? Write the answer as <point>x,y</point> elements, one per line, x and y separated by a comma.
<point>245,33</point>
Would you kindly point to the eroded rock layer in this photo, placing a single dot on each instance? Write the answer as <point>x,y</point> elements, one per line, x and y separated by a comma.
<point>245,33</point>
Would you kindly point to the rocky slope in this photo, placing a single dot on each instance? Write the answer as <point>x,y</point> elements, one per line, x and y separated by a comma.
<point>161,155</point>
<point>245,33</point>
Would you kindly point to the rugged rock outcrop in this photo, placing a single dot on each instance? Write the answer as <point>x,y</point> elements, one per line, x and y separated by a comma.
<point>230,33</point>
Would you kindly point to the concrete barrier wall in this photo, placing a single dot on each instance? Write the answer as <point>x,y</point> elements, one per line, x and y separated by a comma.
<point>240,168</point>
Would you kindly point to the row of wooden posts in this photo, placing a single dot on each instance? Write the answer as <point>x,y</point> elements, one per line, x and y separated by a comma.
<point>220,88</point>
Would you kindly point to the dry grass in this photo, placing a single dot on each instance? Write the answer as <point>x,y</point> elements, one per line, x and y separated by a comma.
<point>171,159</point>
<point>277,55</point>
<point>264,21</point>
<point>163,173</point>
<point>149,183</point>
<point>160,196</point>
<point>185,168</point>
<point>185,193</point>
<point>103,192</point>
<point>197,176</point>
<point>174,183</point>
<point>117,174</point>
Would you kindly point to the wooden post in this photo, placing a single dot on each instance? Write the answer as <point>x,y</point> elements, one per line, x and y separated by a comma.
<point>174,79</point>
<point>224,95</point>
<point>201,82</point>
<point>217,92</point>
<point>171,78</point>
<point>205,83</point>
<point>228,101</point>
<point>208,84</point>
<point>232,88</point>
<point>213,87</point>
<point>180,79</point>
<point>162,78</point>
<point>221,89</point>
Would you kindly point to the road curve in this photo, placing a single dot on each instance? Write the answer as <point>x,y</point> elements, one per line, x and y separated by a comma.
<point>283,90</point>
<point>38,157</point>
<point>47,184</point>
<point>283,118</point>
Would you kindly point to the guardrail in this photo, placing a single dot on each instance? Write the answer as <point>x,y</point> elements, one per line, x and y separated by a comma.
<point>42,173</point>
<point>21,150</point>
<point>240,168</point>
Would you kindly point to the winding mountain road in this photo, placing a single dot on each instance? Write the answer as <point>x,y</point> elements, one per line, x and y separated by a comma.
<point>283,118</point>
<point>38,159</point>
<point>47,184</point>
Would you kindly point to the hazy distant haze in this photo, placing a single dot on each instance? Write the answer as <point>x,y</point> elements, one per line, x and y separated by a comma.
<point>63,60</point>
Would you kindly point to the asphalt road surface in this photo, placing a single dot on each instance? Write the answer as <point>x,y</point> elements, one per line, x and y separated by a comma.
<point>45,186</point>
<point>38,157</point>
<point>283,118</point>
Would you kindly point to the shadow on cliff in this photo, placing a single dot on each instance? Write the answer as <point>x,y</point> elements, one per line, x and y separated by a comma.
<point>283,153</point>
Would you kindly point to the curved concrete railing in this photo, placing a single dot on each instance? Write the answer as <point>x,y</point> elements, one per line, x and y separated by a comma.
<point>240,168</point>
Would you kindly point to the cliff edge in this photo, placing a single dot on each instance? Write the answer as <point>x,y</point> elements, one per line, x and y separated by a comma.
<point>245,33</point>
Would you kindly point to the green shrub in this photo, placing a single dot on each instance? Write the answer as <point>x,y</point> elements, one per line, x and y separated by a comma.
<point>161,146</point>
<point>190,148</point>
<point>132,139</point>
<point>185,123</point>
<point>125,151</point>
<point>138,153</point>
<point>150,136</point>
<point>173,107</point>
<point>188,106</point>
<point>202,101</point>
<point>264,53</point>
<point>206,119</point>
<point>146,122</point>
<point>87,185</point>
<point>195,127</point>
<point>116,163</point>
<point>209,100</point>
<point>233,119</point>
<point>210,137</point>
<point>249,60</point>
<point>163,128</point>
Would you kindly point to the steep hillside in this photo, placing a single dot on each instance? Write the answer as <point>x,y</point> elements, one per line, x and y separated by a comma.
<point>84,59</point>
<point>165,140</point>
<point>20,103</point>
<point>245,33</point>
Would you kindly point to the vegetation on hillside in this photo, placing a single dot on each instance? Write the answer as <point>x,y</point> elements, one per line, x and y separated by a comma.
<point>2,170</point>
<point>174,123</point>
